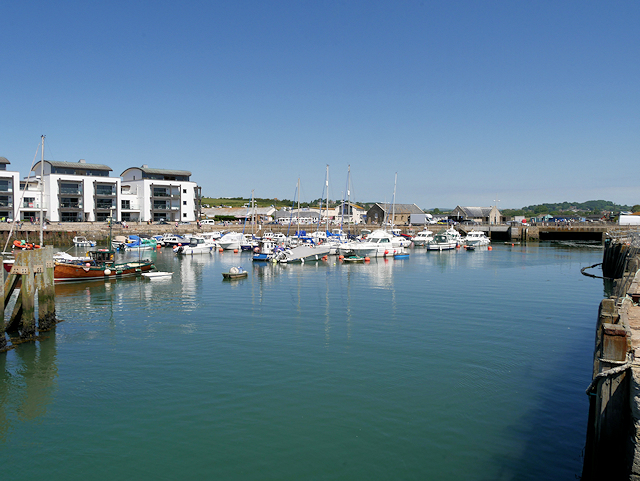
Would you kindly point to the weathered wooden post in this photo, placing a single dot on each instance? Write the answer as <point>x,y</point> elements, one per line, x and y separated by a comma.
<point>43,267</point>
<point>24,262</point>
<point>3,339</point>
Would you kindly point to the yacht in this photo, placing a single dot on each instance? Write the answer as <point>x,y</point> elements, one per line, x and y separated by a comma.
<point>477,238</point>
<point>447,240</point>
<point>379,243</point>
<point>422,238</point>
<point>231,241</point>
<point>197,245</point>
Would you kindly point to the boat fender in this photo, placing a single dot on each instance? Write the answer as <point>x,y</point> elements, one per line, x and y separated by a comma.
<point>107,272</point>
<point>86,267</point>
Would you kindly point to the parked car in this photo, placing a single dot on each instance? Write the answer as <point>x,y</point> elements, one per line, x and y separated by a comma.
<point>208,222</point>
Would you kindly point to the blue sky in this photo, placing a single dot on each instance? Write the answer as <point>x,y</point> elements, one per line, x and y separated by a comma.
<point>469,102</point>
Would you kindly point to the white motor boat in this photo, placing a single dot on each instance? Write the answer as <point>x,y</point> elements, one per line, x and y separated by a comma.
<point>303,253</point>
<point>379,243</point>
<point>447,240</point>
<point>422,238</point>
<point>231,241</point>
<point>197,245</point>
<point>82,241</point>
<point>477,238</point>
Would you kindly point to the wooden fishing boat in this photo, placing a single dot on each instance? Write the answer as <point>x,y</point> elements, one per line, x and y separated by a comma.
<point>100,265</point>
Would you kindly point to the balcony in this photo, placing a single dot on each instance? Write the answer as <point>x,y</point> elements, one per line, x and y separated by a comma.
<point>71,205</point>
<point>70,192</point>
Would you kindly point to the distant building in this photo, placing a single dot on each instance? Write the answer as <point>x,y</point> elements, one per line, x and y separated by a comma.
<point>397,214</point>
<point>481,215</point>
<point>348,213</point>
<point>261,215</point>
<point>294,216</point>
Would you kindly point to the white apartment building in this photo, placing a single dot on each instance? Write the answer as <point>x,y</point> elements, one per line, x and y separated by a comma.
<point>9,189</point>
<point>82,192</point>
<point>73,192</point>
<point>158,194</point>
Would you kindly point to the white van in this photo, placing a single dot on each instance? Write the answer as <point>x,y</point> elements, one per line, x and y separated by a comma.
<point>208,222</point>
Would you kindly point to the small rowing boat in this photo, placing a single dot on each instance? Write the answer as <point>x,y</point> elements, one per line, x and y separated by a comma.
<point>235,273</point>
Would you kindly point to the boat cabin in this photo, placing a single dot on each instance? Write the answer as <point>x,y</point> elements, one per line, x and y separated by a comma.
<point>104,256</point>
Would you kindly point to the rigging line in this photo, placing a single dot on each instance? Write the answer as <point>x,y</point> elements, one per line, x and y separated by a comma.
<point>21,198</point>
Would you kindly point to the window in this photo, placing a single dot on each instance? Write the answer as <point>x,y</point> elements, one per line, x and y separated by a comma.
<point>104,203</point>
<point>184,191</point>
<point>184,202</point>
<point>104,189</point>
<point>28,202</point>
<point>184,215</point>
<point>126,204</point>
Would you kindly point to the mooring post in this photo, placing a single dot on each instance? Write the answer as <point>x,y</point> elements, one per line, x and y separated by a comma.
<point>3,339</point>
<point>27,293</point>
<point>43,266</point>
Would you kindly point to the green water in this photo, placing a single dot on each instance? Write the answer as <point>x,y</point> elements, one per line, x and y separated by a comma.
<point>449,366</point>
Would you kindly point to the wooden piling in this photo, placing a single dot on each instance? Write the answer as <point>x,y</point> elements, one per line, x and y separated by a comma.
<point>3,339</point>
<point>24,261</point>
<point>43,259</point>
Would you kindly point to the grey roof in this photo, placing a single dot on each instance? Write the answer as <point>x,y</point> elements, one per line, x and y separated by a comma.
<point>4,160</point>
<point>400,208</point>
<point>147,170</point>
<point>476,211</point>
<point>74,165</point>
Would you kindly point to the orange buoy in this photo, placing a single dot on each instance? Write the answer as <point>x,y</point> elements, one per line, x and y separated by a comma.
<point>489,248</point>
<point>235,251</point>
<point>366,259</point>
<point>340,257</point>
<point>512,245</point>
<point>386,252</point>
<point>221,249</point>
<point>158,246</point>
<point>324,258</point>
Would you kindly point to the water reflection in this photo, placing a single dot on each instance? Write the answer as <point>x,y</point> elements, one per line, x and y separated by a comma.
<point>28,380</point>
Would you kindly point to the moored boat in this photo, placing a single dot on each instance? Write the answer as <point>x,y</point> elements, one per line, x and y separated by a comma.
<point>477,238</point>
<point>235,273</point>
<point>447,240</point>
<point>100,265</point>
<point>197,245</point>
<point>82,241</point>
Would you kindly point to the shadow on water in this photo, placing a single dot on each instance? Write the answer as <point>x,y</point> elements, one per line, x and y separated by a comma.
<point>550,427</point>
<point>28,380</point>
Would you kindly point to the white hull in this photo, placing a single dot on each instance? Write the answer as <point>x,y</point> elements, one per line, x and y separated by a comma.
<point>303,254</point>
<point>443,246</point>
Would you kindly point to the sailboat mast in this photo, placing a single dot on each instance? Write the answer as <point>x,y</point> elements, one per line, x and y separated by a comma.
<point>298,189</point>
<point>253,212</point>
<point>41,191</point>
<point>327,186</point>
<point>393,208</point>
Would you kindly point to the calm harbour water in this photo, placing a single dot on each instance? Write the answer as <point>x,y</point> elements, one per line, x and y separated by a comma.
<point>448,366</point>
